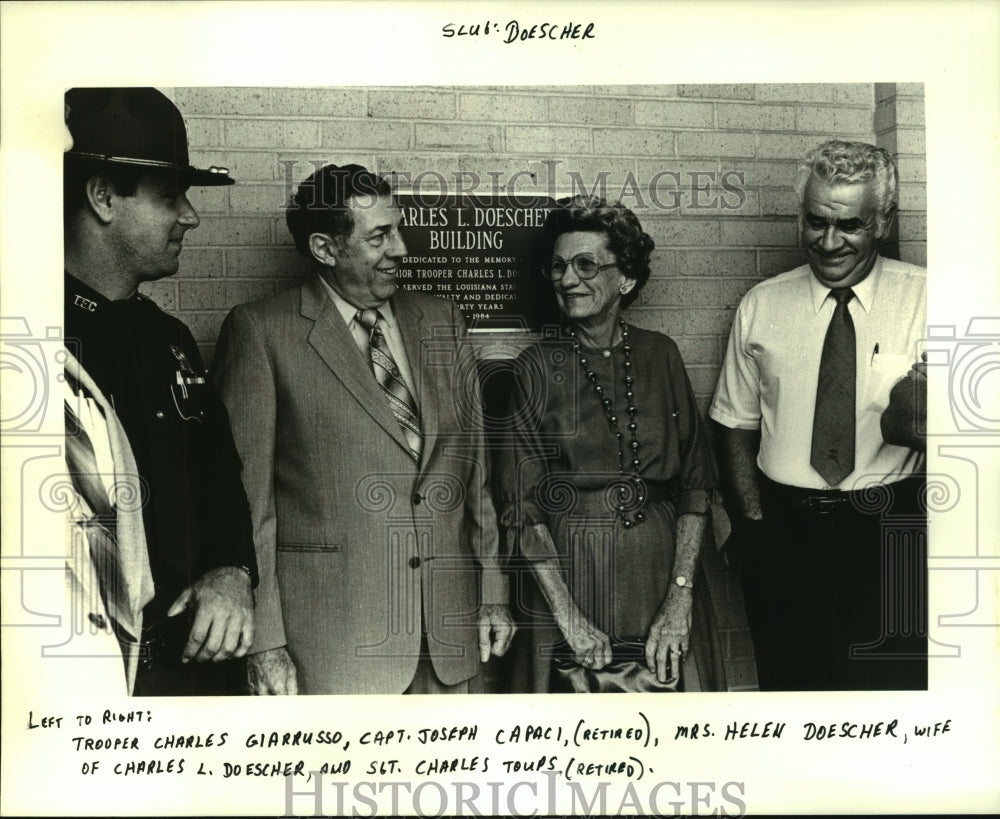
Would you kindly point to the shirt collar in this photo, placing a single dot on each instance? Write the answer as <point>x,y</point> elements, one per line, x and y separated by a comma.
<point>81,297</point>
<point>348,311</point>
<point>864,291</point>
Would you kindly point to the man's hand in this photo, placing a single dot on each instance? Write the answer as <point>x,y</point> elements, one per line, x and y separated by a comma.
<point>272,672</point>
<point>667,642</point>
<point>904,421</point>
<point>496,630</point>
<point>222,603</point>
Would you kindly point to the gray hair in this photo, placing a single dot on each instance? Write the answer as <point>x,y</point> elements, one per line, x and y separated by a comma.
<point>849,163</point>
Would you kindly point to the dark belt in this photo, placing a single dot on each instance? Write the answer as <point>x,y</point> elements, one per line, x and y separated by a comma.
<point>830,501</point>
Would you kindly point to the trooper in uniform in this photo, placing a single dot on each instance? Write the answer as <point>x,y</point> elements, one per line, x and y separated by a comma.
<point>125,215</point>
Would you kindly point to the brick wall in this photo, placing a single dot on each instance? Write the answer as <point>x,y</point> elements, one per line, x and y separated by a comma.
<point>899,124</point>
<point>669,150</point>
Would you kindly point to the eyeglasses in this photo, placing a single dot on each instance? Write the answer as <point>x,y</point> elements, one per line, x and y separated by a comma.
<point>584,264</point>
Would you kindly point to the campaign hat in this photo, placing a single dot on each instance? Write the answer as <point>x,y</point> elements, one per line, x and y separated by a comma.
<point>138,127</point>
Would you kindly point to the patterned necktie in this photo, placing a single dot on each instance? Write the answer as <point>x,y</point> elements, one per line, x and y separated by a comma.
<point>389,379</point>
<point>101,529</point>
<point>833,422</point>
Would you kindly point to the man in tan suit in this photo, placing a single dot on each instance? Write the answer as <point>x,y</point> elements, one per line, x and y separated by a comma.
<point>355,408</point>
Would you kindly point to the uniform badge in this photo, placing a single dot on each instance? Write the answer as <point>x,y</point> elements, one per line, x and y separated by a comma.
<point>183,364</point>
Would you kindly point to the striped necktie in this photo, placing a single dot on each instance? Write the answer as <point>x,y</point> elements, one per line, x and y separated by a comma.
<point>832,452</point>
<point>387,374</point>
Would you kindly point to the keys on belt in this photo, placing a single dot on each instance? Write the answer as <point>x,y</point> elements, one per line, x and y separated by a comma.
<point>816,502</point>
<point>819,504</point>
<point>162,642</point>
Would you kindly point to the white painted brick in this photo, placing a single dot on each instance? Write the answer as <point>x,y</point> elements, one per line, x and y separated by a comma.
<point>773,262</point>
<point>243,165</point>
<point>591,110</point>
<point>163,292</point>
<point>633,141</point>
<point>222,101</point>
<point>502,109</point>
<point>542,139</point>
<point>368,134</point>
<point>795,92</point>
<point>458,137</point>
<point>755,117</point>
<point>779,202</point>
<point>715,144</point>
<point>412,104</point>
<point>258,199</point>
<point>717,92</point>
<point>720,202</point>
<point>318,102</point>
<point>636,90</point>
<point>854,93</point>
<point>200,263</point>
<point>673,114</point>
<point>834,121</point>
<point>229,230</point>
<point>266,263</point>
<point>754,233</point>
<point>271,134</point>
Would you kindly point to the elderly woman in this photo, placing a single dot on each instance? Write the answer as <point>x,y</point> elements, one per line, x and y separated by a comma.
<point>608,480</point>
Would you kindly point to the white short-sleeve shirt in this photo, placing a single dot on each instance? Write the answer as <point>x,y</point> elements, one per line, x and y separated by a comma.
<point>768,380</point>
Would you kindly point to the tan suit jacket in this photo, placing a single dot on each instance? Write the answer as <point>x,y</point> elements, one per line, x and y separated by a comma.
<point>357,545</point>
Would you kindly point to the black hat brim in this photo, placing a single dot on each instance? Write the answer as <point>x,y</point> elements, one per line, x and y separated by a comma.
<point>187,174</point>
<point>197,177</point>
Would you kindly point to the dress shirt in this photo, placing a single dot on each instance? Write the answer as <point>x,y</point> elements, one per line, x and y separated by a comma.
<point>94,424</point>
<point>390,329</point>
<point>768,380</point>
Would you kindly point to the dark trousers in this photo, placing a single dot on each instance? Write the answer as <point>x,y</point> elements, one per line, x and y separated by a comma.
<point>162,674</point>
<point>836,589</point>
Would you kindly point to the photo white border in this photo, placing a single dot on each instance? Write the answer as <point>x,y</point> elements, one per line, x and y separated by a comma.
<point>952,48</point>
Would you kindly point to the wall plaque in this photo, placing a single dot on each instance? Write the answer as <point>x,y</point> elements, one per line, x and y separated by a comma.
<point>481,251</point>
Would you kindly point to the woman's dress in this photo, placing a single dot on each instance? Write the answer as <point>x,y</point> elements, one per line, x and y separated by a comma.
<point>561,468</point>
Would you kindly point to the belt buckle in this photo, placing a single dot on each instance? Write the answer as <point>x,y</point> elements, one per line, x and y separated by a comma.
<point>823,504</point>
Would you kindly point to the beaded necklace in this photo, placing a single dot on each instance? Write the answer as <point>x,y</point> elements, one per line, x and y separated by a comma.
<point>628,494</point>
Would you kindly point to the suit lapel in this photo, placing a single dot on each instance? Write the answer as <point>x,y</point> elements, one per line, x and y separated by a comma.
<point>331,338</point>
<point>415,333</point>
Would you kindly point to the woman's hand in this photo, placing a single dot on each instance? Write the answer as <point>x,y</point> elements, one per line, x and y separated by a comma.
<point>591,647</point>
<point>667,642</point>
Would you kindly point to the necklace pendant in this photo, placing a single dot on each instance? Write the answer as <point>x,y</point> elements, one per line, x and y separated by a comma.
<point>606,353</point>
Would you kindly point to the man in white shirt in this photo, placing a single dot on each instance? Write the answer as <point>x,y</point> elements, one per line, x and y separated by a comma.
<point>830,515</point>
<point>356,412</point>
